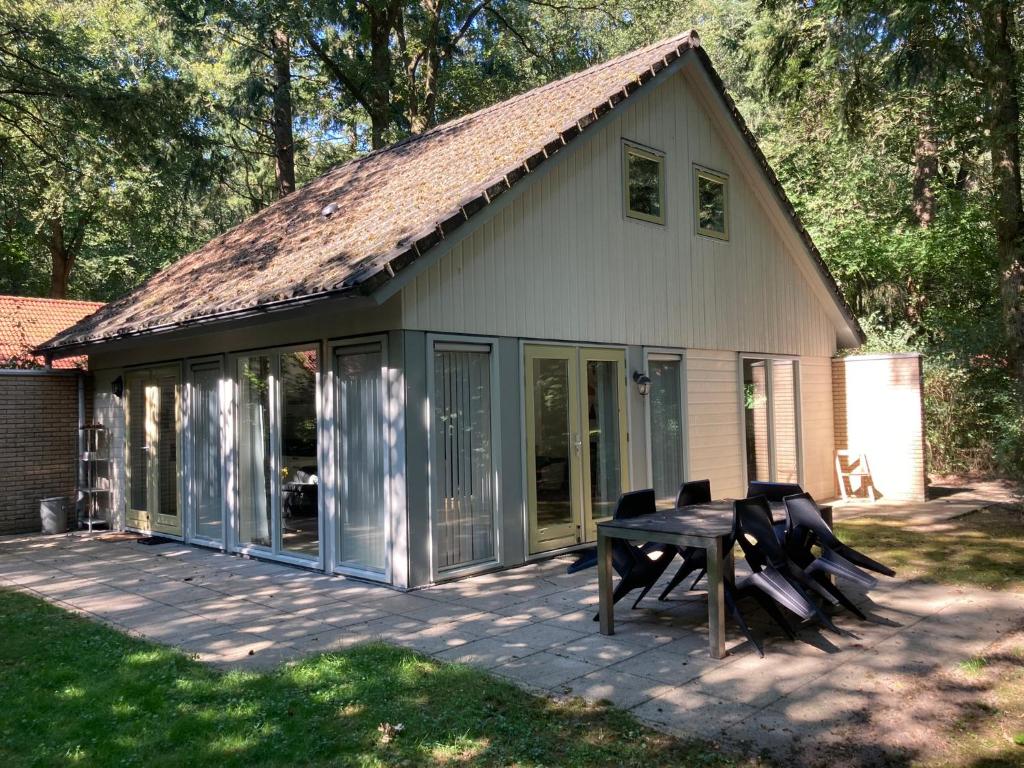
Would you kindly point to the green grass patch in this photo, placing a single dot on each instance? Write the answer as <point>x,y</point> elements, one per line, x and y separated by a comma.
<point>983,549</point>
<point>77,693</point>
<point>973,666</point>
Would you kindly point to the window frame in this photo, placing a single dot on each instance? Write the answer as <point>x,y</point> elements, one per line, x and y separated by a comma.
<point>630,148</point>
<point>699,172</point>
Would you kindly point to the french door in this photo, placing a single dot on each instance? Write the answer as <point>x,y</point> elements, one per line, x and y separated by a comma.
<point>205,481</point>
<point>152,446</point>
<point>575,441</point>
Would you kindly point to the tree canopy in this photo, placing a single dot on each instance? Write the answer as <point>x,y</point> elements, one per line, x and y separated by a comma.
<point>134,130</point>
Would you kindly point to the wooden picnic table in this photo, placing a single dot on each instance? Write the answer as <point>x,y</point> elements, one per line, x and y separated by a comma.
<point>706,526</point>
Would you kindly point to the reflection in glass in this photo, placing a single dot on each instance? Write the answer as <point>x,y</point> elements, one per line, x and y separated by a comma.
<point>603,418</point>
<point>206,451</point>
<point>167,442</point>
<point>551,432</point>
<point>255,454</point>
<point>644,184</point>
<point>300,530</point>
<point>362,456</point>
<point>463,450</point>
<point>138,449</point>
<point>711,216</point>
<point>755,410</point>
<point>666,428</point>
<point>784,420</point>
<point>770,409</point>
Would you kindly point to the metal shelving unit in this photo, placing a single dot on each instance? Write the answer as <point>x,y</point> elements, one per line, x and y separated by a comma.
<point>94,491</point>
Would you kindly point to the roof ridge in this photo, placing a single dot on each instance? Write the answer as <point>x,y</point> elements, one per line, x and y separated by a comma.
<point>48,300</point>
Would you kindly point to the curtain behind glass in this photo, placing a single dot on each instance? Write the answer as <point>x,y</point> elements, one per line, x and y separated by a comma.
<point>207,464</point>
<point>784,420</point>
<point>254,451</point>
<point>463,453</point>
<point>300,474</point>
<point>666,428</point>
<point>362,471</point>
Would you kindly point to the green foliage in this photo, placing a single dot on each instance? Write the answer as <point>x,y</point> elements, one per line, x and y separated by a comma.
<point>76,691</point>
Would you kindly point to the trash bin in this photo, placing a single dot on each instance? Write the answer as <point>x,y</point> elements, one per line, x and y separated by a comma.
<point>53,513</point>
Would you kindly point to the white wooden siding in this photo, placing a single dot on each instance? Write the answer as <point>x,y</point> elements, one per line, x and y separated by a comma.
<point>715,429</point>
<point>562,261</point>
<point>817,426</point>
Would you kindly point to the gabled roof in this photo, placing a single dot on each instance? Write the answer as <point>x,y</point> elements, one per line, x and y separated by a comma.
<point>27,322</point>
<point>351,230</point>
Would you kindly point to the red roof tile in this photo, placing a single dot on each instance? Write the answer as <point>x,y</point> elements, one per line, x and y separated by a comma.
<point>25,323</point>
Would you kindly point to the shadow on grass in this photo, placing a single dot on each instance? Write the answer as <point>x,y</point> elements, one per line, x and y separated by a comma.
<point>81,693</point>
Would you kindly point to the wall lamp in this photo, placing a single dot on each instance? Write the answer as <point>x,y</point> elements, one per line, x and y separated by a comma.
<point>117,387</point>
<point>643,383</point>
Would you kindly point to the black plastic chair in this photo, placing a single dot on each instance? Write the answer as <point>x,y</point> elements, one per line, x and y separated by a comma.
<point>805,527</point>
<point>772,491</point>
<point>635,565</point>
<point>773,574</point>
<point>694,558</point>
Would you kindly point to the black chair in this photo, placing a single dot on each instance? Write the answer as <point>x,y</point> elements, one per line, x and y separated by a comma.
<point>772,491</point>
<point>639,567</point>
<point>805,527</point>
<point>775,580</point>
<point>694,558</point>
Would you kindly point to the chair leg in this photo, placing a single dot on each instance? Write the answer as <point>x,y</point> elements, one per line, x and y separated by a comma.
<point>734,611</point>
<point>623,588</point>
<point>838,594</point>
<point>643,592</point>
<point>773,611</point>
<point>684,570</point>
<point>700,576</point>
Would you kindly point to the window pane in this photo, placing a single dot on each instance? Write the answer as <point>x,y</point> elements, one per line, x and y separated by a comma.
<point>603,444</point>
<point>362,504</point>
<point>755,409</point>
<point>463,451</point>
<point>206,451</point>
<point>551,442</point>
<point>784,420</point>
<point>167,460</point>
<point>644,185</point>
<point>255,456</point>
<point>666,428</point>
<point>711,204</point>
<point>138,448</point>
<point>300,532</point>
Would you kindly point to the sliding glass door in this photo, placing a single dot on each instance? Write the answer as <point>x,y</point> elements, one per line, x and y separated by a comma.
<point>362,452</point>
<point>278,455</point>
<point>152,450</point>
<point>770,409</point>
<point>205,483</point>
<point>463,461</point>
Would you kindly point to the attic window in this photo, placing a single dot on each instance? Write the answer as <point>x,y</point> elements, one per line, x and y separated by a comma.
<point>644,188</point>
<point>711,196</point>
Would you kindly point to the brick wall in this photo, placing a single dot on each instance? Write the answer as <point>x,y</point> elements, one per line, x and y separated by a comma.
<point>38,444</point>
<point>879,412</point>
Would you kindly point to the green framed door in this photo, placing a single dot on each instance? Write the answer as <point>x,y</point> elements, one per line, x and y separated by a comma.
<point>575,409</point>
<point>152,421</point>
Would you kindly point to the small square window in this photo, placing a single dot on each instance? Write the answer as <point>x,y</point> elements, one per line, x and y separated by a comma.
<point>711,197</point>
<point>644,173</point>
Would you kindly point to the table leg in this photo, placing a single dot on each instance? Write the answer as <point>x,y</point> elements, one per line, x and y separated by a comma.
<point>716,598</point>
<point>604,584</point>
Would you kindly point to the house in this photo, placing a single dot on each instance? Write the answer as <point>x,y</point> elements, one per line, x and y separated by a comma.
<point>27,322</point>
<point>454,353</point>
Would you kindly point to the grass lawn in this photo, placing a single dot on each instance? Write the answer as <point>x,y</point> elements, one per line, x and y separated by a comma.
<point>74,692</point>
<point>983,549</point>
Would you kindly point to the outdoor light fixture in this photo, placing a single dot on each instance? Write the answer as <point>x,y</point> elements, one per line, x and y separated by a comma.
<point>117,387</point>
<point>643,383</point>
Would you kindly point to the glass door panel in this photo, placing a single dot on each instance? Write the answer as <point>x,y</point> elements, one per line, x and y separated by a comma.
<point>207,464</point>
<point>783,390</point>
<point>152,444</point>
<point>255,452</point>
<point>553,446</point>
<point>165,421</point>
<point>299,522</point>
<point>138,449</point>
<point>362,459</point>
<point>605,445</point>
<point>464,526</point>
<point>665,402</point>
<point>770,404</point>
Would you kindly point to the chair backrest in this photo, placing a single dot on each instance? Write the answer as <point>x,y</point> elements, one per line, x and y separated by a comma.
<point>694,492</point>
<point>634,504</point>
<point>752,523</point>
<point>802,513</point>
<point>772,491</point>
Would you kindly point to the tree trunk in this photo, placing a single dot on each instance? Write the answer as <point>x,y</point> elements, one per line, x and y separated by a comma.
<point>926,170</point>
<point>284,142</point>
<point>382,21</point>
<point>1004,131</point>
<point>61,261</point>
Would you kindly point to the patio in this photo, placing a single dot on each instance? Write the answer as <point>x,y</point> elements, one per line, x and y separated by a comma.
<point>534,625</point>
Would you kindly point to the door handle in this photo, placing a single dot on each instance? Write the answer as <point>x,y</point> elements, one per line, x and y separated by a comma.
<point>578,444</point>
